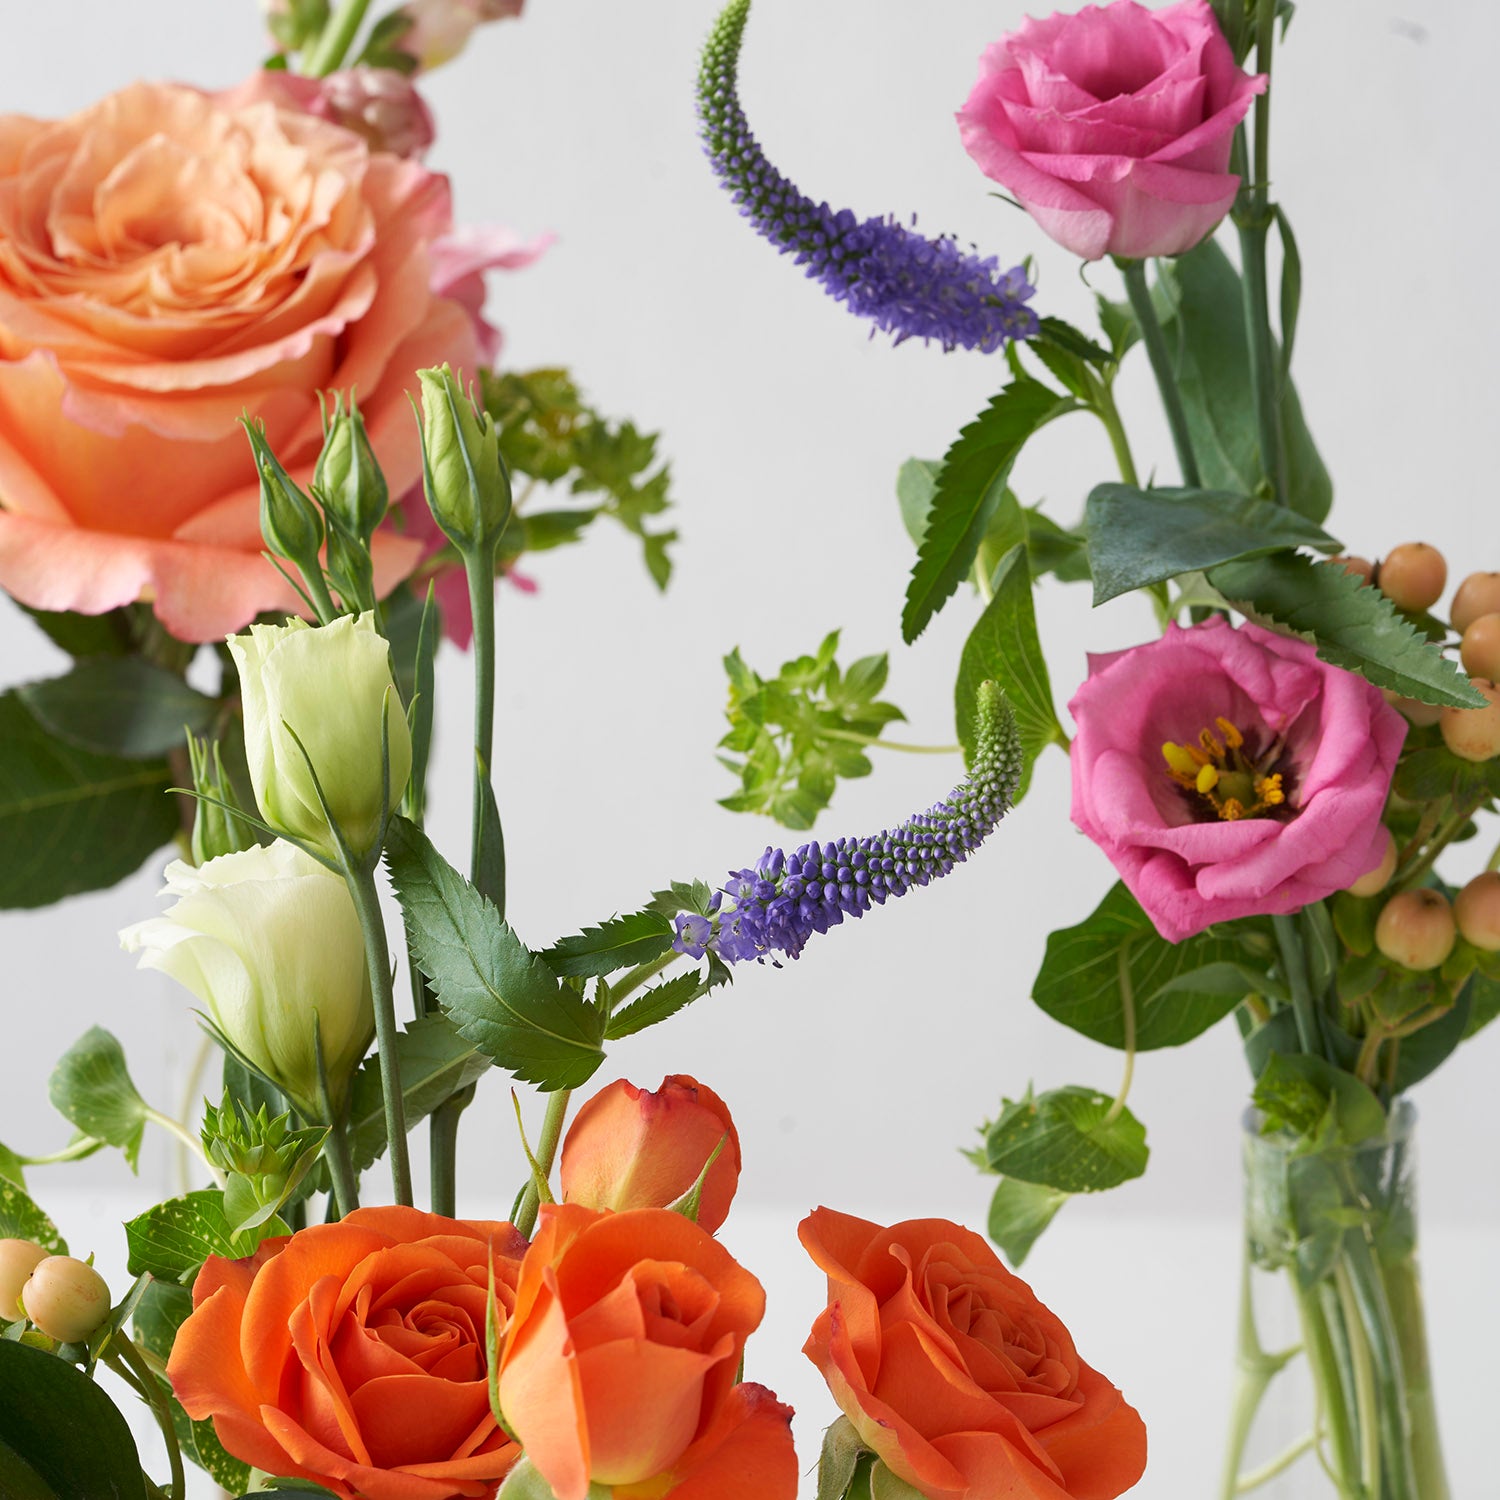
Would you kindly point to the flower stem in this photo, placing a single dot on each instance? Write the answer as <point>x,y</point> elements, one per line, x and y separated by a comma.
<point>1328,1386</point>
<point>1309,1033</point>
<point>338,35</point>
<point>1109,414</point>
<point>546,1152</point>
<point>1403,1288</point>
<point>1134,272</point>
<point>336,1147</point>
<point>151,1389</point>
<point>1127,1017</point>
<point>1364,1384</point>
<point>854,737</point>
<point>361,882</point>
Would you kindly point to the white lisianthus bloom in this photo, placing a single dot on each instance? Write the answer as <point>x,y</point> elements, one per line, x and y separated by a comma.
<point>264,938</point>
<point>440,29</point>
<point>325,687</point>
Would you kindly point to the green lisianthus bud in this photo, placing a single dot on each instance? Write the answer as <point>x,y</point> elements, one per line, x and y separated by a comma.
<point>289,521</point>
<point>348,479</point>
<point>264,1159</point>
<point>217,826</point>
<point>329,689</point>
<point>468,489</point>
<point>270,942</point>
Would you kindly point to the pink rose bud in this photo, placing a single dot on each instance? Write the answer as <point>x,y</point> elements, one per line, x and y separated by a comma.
<point>632,1149</point>
<point>381,105</point>
<point>1113,127</point>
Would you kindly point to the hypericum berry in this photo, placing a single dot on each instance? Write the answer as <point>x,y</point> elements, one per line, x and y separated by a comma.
<point>1416,929</point>
<point>1376,880</point>
<point>65,1298</point>
<point>1415,711</point>
<point>1477,910</point>
<point>18,1259</point>
<point>1480,648</point>
<point>1478,594</point>
<point>1474,733</point>
<point>1413,575</point>
<point>1361,567</point>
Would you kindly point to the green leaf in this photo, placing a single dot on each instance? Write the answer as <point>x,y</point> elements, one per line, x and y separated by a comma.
<point>1019,1212</point>
<point>109,634</point>
<point>1056,334</point>
<point>64,1430</point>
<point>975,472</point>
<point>1054,549</point>
<point>1310,1097</point>
<point>1426,773</point>
<point>414,651</point>
<point>1066,1139</point>
<point>1205,333</point>
<point>173,1239</point>
<point>1118,321</point>
<point>436,1061</point>
<point>1352,626</point>
<point>1484,1003</point>
<point>70,820</point>
<point>916,485</point>
<point>664,1000</point>
<point>22,1219</point>
<point>1003,647</point>
<point>620,943</point>
<point>1291,289</point>
<point>503,998</point>
<point>91,1086</point>
<point>1138,537</point>
<point>1178,989</point>
<point>161,1311</point>
<point>120,705</point>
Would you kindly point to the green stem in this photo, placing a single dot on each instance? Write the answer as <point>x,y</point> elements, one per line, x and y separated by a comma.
<point>641,974</point>
<point>1403,1289</point>
<point>1374,1311</point>
<point>186,1138</point>
<point>1328,1387</point>
<point>1364,1384</point>
<point>1109,414</point>
<point>336,1147</point>
<point>479,567</point>
<point>442,1144</point>
<point>361,882</point>
<point>1278,1465</point>
<point>1447,831</point>
<point>546,1151</point>
<point>338,35</point>
<point>1309,1033</point>
<point>854,737</point>
<point>1127,1016</point>
<point>1155,340</point>
<point>153,1392</point>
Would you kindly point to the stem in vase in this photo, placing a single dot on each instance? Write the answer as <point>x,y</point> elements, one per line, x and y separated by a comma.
<point>1403,1290</point>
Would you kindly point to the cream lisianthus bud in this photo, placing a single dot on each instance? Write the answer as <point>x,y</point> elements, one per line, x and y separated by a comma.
<point>327,688</point>
<point>468,490</point>
<point>265,938</point>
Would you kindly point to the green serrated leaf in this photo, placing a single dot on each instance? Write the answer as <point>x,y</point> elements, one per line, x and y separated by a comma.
<point>70,820</point>
<point>1003,647</point>
<point>172,1240</point>
<point>1178,989</point>
<point>22,1219</point>
<point>1204,324</point>
<point>970,487</point>
<point>620,943</point>
<point>120,705</point>
<point>1352,626</point>
<point>660,1002</point>
<point>91,1086</point>
<point>916,485</point>
<point>1138,537</point>
<point>503,998</point>
<point>680,896</point>
<point>1019,1213</point>
<point>66,1433</point>
<point>436,1061</point>
<point>1069,1139</point>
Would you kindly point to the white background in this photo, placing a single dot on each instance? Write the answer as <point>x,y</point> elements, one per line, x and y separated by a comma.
<point>856,1073</point>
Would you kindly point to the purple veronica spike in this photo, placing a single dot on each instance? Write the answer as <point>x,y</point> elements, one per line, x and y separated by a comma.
<point>906,284</point>
<point>776,906</point>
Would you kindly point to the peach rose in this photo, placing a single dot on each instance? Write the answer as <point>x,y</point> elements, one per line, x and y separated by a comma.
<point>353,1354</point>
<point>955,1375</point>
<point>632,1148</point>
<point>620,1361</point>
<point>170,259</point>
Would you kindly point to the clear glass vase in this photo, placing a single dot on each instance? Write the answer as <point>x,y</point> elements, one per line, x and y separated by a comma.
<point>1333,1391</point>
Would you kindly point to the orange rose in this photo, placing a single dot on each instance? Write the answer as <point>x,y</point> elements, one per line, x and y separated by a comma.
<point>632,1149</point>
<point>170,259</point>
<point>955,1375</point>
<point>353,1354</point>
<point>620,1361</point>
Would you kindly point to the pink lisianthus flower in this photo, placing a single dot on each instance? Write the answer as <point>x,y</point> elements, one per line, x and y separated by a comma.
<point>1229,773</point>
<point>1113,126</point>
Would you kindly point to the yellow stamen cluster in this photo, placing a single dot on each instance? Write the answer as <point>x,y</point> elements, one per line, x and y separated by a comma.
<point>1216,769</point>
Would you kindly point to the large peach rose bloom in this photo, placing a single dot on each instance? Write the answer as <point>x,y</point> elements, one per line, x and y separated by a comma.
<point>169,260</point>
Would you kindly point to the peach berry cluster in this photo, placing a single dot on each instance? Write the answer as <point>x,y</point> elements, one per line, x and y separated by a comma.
<point>66,1299</point>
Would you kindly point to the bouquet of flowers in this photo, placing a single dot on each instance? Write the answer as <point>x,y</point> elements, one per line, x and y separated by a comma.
<point>250,422</point>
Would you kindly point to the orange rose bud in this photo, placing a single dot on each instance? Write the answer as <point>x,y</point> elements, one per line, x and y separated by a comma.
<point>353,1354</point>
<point>620,1359</point>
<point>949,1368</point>
<point>630,1148</point>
